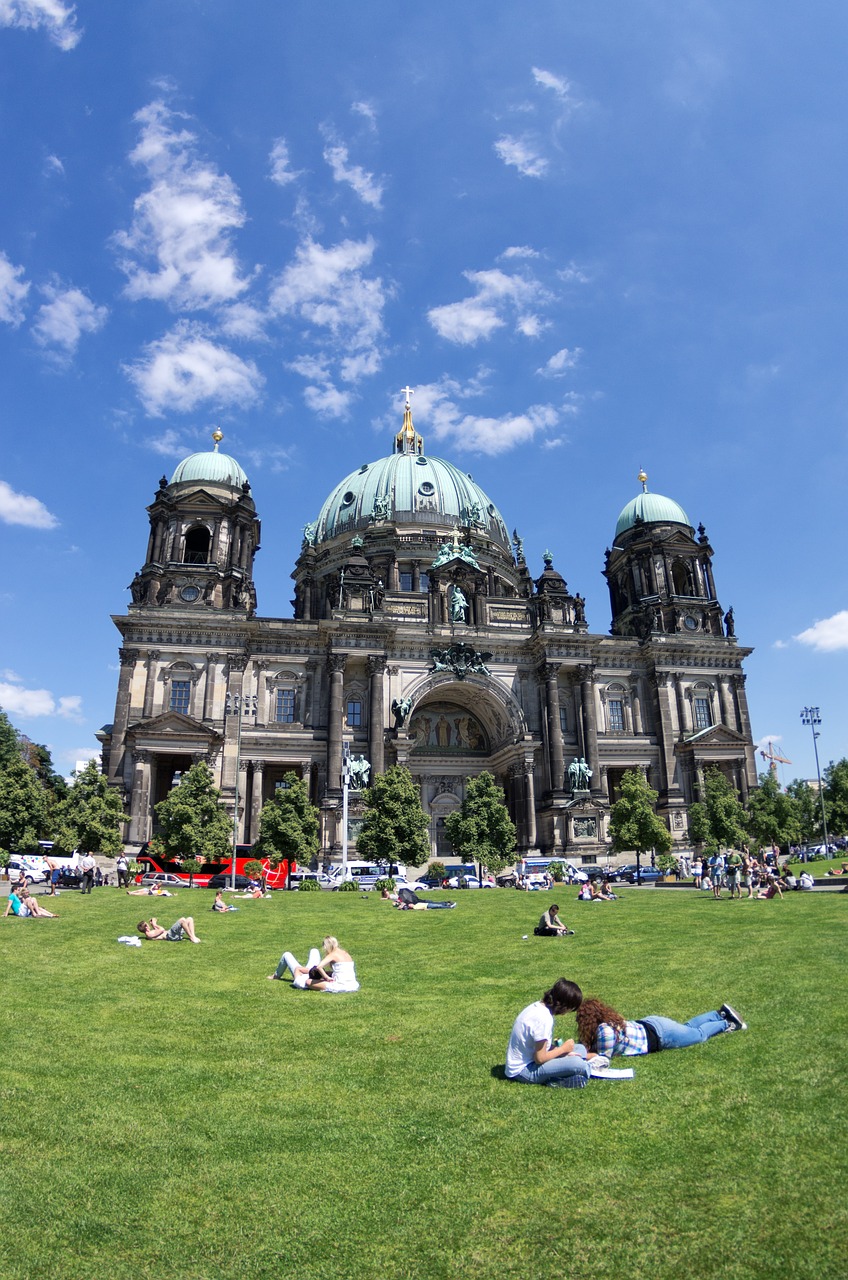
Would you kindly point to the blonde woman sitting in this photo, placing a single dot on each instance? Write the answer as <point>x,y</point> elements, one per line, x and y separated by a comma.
<point>314,975</point>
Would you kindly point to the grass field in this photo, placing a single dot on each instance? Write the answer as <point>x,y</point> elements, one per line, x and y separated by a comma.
<point>169,1112</point>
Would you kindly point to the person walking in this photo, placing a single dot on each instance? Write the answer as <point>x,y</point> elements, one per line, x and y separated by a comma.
<point>122,866</point>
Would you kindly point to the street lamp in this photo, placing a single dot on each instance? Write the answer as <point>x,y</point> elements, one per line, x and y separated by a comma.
<point>810,716</point>
<point>238,705</point>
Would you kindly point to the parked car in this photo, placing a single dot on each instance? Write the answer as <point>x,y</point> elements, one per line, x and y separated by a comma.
<point>23,867</point>
<point>223,880</point>
<point>69,878</point>
<point>163,878</point>
<point>417,886</point>
<point>594,871</point>
<point>647,874</point>
<point>470,882</point>
<point>297,878</point>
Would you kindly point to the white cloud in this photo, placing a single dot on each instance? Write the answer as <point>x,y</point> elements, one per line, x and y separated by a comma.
<point>57,18</point>
<point>65,317</point>
<point>557,84</point>
<point>53,165</point>
<point>522,154</point>
<point>436,408</point>
<point>519,251</point>
<point>828,635</point>
<point>532,325</point>
<point>768,740</point>
<point>325,288</point>
<point>479,316</point>
<point>367,187</point>
<point>281,173</point>
<point>170,444</point>
<point>555,442</point>
<point>20,508</point>
<point>13,291</point>
<point>561,363</point>
<point>186,368</point>
<point>367,111</point>
<point>573,274</point>
<point>17,700</point>
<point>184,223</point>
<point>242,320</point>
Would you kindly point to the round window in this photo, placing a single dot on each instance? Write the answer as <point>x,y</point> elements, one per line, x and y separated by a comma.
<point>426,489</point>
<point>348,498</point>
<point>189,594</point>
<point>422,462</point>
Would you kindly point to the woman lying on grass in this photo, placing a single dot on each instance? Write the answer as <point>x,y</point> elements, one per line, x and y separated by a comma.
<point>605,1031</point>
<point>530,1055</point>
<point>314,976</point>
<point>153,931</point>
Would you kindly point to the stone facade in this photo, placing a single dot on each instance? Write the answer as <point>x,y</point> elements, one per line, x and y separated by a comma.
<point>419,637</point>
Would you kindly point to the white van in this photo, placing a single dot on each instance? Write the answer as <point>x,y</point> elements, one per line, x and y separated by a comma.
<point>30,867</point>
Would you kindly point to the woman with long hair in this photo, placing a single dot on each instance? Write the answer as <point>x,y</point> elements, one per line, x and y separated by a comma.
<point>334,971</point>
<point>531,1055</point>
<point>603,1030</point>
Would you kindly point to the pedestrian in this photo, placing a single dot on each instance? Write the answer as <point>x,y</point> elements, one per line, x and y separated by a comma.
<point>123,868</point>
<point>88,866</point>
<point>734,870</point>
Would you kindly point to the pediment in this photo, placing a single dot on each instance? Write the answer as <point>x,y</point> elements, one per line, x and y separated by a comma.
<point>717,736</point>
<point>171,724</point>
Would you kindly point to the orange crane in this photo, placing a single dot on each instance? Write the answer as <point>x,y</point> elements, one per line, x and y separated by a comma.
<point>773,757</point>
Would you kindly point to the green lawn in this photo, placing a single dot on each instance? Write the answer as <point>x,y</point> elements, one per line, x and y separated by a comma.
<point>169,1112</point>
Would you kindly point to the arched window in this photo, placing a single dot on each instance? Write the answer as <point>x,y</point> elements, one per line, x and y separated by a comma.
<point>197,544</point>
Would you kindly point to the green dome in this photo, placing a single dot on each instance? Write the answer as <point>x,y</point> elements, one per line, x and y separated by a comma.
<point>653,508</point>
<point>408,488</point>
<point>211,468</point>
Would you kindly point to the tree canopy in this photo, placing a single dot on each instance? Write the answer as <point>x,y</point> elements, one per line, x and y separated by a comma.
<point>835,786</point>
<point>395,828</point>
<point>193,821</point>
<point>288,825</point>
<point>482,831</point>
<point>634,824</point>
<point>23,807</point>
<point>774,816</point>
<point>90,815</point>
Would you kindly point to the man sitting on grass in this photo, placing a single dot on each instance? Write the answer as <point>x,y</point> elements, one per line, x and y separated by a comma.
<point>550,925</point>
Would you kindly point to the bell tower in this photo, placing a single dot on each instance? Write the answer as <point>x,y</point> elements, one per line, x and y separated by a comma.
<point>204,534</point>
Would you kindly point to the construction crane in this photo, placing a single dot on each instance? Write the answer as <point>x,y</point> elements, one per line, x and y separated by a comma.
<point>773,758</point>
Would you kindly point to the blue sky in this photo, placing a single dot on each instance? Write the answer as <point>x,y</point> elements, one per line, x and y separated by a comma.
<point>593,238</point>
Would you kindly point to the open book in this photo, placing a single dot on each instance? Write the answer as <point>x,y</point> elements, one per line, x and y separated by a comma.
<point>600,1069</point>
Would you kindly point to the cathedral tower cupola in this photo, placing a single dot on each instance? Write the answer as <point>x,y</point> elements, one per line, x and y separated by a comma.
<point>204,534</point>
<point>659,574</point>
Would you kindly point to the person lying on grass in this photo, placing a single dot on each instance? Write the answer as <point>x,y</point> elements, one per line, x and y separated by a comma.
<point>550,925</point>
<point>408,900</point>
<point>530,1055</point>
<point>604,1030</point>
<point>149,891</point>
<point>314,976</point>
<point>182,928</point>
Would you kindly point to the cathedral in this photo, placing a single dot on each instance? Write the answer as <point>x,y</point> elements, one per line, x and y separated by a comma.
<point>420,637</point>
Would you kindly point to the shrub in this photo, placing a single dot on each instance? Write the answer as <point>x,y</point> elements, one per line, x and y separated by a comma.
<point>309,886</point>
<point>387,882</point>
<point>557,870</point>
<point>347,886</point>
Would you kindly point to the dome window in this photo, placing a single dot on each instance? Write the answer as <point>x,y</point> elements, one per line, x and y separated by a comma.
<point>427,489</point>
<point>363,468</point>
<point>348,498</point>
<point>422,462</point>
<point>492,510</point>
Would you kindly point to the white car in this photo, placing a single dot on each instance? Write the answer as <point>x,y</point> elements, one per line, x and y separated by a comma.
<point>471,882</point>
<point>27,869</point>
<point>417,886</point>
<point>297,877</point>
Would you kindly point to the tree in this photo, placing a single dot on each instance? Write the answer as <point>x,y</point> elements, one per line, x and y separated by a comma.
<point>773,815</point>
<point>482,831</point>
<point>726,817</point>
<point>809,810</point>
<point>23,807</point>
<point>90,815</point>
<point>634,824</point>
<point>193,821</point>
<point>395,828</point>
<point>288,825</point>
<point>835,787</point>
<point>10,744</point>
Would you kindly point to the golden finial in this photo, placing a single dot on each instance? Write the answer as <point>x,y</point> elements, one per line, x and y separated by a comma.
<point>407,440</point>
<point>217,436</point>
<point>643,480</point>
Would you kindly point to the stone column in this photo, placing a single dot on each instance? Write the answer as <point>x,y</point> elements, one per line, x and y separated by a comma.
<point>127,659</point>
<point>579,729</point>
<point>725,697</point>
<point>376,669</point>
<point>216,541</point>
<point>235,686</point>
<point>139,829</point>
<point>335,666</point>
<point>310,683</point>
<point>591,722</point>
<point>243,802</point>
<point>261,668</point>
<point>529,805</point>
<point>209,686</point>
<point>665,733</point>
<point>556,767</point>
<point>683,722</point>
<point>636,697</point>
<point>256,799</point>
<point>150,683</point>
<point>738,679</point>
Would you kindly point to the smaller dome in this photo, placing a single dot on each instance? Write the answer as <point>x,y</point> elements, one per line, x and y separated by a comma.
<point>212,467</point>
<point>653,508</point>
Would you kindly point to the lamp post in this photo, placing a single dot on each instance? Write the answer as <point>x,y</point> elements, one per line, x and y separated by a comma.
<point>811,716</point>
<point>238,705</point>
<point>345,790</point>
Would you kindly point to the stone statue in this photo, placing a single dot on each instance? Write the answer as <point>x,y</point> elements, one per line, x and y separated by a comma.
<point>359,770</point>
<point>585,775</point>
<point>729,625</point>
<point>574,775</point>
<point>579,608</point>
<point>458,605</point>
<point>382,508</point>
<point>400,710</point>
<point>518,544</point>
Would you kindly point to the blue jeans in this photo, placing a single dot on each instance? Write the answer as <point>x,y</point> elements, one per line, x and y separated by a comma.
<point>677,1035</point>
<point>569,1072</point>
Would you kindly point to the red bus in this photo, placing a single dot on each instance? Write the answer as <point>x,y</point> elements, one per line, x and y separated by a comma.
<point>275,877</point>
